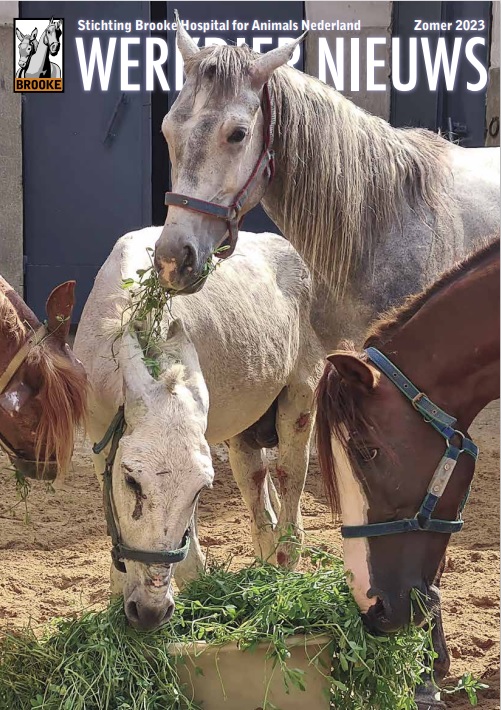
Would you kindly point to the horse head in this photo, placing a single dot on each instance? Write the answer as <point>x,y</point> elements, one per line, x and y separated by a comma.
<point>220,135</point>
<point>377,457</point>
<point>51,36</point>
<point>161,465</point>
<point>42,384</point>
<point>28,45</point>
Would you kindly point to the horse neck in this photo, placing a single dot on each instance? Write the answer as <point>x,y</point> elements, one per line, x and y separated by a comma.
<point>39,59</point>
<point>343,176</point>
<point>450,347</point>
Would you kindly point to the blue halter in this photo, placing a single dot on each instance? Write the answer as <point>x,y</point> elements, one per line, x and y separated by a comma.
<point>444,424</point>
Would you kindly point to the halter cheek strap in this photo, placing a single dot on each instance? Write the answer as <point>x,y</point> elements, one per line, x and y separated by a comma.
<point>119,551</point>
<point>231,214</point>
<point>21,355</point>
<point>444,424</point>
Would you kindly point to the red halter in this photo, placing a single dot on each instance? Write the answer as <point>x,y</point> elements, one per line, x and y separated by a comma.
<point>265,163</point>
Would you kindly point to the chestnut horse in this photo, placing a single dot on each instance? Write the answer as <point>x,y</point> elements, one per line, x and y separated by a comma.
<point>42,384</point>
<point>393,442</point>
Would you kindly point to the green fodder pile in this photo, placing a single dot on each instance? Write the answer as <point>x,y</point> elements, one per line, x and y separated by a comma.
<point>97,662</point>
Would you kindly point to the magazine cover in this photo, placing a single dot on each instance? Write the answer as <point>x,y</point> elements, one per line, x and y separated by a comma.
<point>249,355</point>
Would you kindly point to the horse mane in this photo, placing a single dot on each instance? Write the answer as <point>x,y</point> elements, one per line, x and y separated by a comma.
<point>338,412</point>
<point>63,390</point>
<point>384,327</point>
<point>10,322</point>
<point>348,172</point>
<point>63,394</point>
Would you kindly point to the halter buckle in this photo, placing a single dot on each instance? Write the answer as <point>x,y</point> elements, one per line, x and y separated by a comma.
<point>415,400</point>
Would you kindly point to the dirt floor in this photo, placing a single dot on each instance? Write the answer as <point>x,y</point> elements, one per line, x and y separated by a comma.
<point>58,562</point>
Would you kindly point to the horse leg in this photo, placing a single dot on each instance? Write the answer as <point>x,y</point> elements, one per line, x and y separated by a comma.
<point>428,694</point>
<point>274,497</point>
<point>191,568</point>
<point>250,473</point>
<point>294,425</point>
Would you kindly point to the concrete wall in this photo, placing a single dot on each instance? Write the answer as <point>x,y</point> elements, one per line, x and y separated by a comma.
<point>492,118</point>
<point>11,186</point>
<point>375,20</point>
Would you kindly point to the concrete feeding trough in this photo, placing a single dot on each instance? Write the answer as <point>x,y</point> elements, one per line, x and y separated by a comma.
<point>227,678</point>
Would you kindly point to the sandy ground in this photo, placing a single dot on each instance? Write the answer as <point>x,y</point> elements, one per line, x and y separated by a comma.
<point>58,563</point>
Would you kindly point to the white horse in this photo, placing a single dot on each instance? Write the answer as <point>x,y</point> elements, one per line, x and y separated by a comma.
<point>251,328</point>
<point>379,212</point>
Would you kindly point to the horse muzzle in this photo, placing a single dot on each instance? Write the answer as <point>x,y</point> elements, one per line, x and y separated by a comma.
<point>385,617</point>
<point>31,469</point>
<point>147,612</point>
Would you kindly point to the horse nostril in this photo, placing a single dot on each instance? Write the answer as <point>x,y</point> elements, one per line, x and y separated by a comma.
<point>131,612</point>
<point>189,259</point>
<point>168,612</point>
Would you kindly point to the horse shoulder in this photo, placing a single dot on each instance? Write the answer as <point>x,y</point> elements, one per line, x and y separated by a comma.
<point>55,71</point>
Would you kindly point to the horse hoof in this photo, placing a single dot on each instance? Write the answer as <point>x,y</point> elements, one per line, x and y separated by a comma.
<point>427,697</point>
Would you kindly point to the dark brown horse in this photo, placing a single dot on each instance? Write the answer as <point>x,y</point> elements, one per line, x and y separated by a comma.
<point>381,443</point>
<point>43,386</point>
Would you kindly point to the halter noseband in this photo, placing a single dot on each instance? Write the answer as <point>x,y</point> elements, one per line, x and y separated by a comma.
<point>119,551</point>
<point>443,423</point>
<point>265,163</point>
<point>35,339</point>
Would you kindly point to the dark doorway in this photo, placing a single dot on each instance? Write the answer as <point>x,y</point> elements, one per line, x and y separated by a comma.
<point>459,114</point>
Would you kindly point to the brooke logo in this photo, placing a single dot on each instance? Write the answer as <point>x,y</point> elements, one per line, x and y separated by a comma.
<point>38,55</point>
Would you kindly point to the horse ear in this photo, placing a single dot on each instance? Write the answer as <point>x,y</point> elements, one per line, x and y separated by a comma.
<point>59,308</point>
<point>186,45</point>
<point>33,35</point>
<point>137,381</point>
<point>355,371</point>
<point>19,34</point>
<point>263,67</point>
<point>179,345</point>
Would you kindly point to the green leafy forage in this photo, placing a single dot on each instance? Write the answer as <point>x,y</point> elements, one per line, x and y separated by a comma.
<point>97,662</point>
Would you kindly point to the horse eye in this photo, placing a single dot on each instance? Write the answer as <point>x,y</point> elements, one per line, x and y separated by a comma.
<point>363,453</point>
<point>133,484</point>
<point>368,454</point>
<point>130,481</point>
<point>237,136</point>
